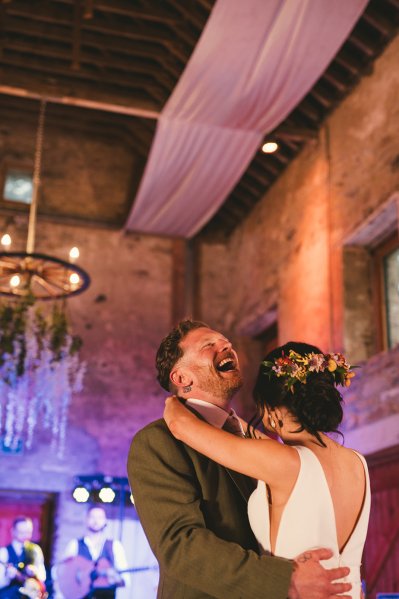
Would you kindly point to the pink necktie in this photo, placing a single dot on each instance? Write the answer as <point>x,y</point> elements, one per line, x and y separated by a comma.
<point>233,425</point>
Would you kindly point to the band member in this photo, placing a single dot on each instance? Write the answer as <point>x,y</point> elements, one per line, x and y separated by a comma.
<point>107,555</point>
<point>20,560</point>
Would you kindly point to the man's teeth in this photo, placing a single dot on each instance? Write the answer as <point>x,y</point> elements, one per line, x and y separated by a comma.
<point>226,364</point>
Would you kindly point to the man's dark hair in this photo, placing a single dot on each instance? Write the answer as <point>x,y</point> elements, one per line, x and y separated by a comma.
<point>169,352</point>
<point>316,405</point>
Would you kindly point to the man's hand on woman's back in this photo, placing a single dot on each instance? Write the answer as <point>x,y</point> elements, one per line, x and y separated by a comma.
<point>311,581</point>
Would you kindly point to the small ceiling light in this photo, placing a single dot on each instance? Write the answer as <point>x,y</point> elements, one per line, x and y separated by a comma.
<point>107,495</point>
<point>81,494</point>
<point>132,498</point>
<point>6,240</point>
<point>15,280</point>
<point>74,278</point>
<point>269,147</point>
<point>74,253</point>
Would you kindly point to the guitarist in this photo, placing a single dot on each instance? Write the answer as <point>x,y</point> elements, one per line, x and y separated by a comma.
<point>107,555</point>
<point>21,559</point>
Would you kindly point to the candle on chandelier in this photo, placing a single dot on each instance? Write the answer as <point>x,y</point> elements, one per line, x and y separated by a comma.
<point>74,278</point>
<point>74,253</point>
<point>6,241</point>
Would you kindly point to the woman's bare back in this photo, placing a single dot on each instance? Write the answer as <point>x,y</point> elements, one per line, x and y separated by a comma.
<point>346,480</point>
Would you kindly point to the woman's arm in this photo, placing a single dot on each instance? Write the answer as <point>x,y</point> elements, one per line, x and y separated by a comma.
<point>259,458</point>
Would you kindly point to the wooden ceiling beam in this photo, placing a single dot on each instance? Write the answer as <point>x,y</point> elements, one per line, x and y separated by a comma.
<point>48,14</point>
<point>149,84</point>
<point>59,98</point>
<point>356,40</point>
<point>246,185</point>
<point>125,8</point>
<point>248,201</point>
<point>132,67</point>
<point>40,33</point>
<point>269,167</point>
<point>308,108</point>
<point>77,34</point>
<point>301,134</point>
<point>189,13</point>
<point>281,158</point>
<point>231,211</point>
<point>293,146</point>
<point>348,61</point>
<point>322,98</point>
<point>2,28</point>
<point>376,20</point>
<point>335,81</point>
<point>257,179</point>
<point>257,172</point>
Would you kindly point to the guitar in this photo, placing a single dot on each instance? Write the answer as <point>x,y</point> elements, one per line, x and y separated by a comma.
<point>77,576</point>
<point>31,587</point>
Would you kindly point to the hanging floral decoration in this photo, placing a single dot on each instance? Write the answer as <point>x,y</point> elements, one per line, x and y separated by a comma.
<point>40,370</point>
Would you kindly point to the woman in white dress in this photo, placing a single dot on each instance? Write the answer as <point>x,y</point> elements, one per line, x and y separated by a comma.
<point>312,491</point>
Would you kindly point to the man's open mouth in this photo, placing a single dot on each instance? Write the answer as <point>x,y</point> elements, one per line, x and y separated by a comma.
<point>226,365</point>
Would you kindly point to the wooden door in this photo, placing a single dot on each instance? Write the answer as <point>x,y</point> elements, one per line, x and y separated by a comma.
<point>381,555</point>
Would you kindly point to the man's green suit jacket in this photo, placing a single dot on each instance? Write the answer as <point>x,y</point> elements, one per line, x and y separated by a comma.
<point>194,513</point>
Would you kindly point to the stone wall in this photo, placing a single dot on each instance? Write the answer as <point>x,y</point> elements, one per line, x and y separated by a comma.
<point>287,257</point>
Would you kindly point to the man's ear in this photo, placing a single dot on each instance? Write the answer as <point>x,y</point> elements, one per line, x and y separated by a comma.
<point>179,378</point>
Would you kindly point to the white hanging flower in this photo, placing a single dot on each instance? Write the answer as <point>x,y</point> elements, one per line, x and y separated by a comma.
<point>39,372</point>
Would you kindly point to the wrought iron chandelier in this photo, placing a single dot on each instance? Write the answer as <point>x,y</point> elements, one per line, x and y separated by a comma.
<point>28,273</point>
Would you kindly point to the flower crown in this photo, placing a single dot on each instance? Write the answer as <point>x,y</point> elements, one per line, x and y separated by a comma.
<point>296,368</point>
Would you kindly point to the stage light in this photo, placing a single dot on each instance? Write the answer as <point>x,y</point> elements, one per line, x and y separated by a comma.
<point>81,494</point>
<point>106,494</point>
<point>100,488</point>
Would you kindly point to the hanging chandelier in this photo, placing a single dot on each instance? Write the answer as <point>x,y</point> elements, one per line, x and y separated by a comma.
<point>28,273</point>
<point>40,369</point>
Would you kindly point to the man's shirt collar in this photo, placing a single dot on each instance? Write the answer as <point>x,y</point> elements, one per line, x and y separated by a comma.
<point>211,413</point>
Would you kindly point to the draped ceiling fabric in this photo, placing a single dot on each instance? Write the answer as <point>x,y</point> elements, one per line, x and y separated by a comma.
<point>253,64</point>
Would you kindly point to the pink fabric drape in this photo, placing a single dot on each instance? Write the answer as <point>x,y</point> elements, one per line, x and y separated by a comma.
<point>253,64</point>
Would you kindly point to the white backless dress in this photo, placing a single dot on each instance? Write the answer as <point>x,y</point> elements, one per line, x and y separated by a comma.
<point>308,520</point>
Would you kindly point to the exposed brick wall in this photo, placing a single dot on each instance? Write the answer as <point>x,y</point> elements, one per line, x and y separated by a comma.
<point>288,254</point>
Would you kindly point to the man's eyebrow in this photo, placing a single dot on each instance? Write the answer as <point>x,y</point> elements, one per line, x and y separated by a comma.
<point>213,339</point>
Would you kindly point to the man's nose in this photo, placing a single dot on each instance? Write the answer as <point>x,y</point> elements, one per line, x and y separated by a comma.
<point>225,345</point>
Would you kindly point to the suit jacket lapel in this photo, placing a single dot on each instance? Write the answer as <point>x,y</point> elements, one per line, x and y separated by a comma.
<point>244,484</point>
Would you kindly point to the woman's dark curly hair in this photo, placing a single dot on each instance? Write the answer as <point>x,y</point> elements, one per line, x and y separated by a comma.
<point>316,405</point>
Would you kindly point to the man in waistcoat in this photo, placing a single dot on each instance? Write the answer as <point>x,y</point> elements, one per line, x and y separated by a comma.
<point>21,559</point>
<point>107,555</point>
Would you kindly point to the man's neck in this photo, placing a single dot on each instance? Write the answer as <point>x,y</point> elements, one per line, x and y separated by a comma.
<point>96,537</point>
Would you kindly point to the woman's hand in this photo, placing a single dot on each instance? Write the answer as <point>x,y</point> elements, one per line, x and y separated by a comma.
<point>175,414</point>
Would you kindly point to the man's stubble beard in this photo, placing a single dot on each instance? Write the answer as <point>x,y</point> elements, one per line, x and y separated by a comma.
<point>222,388</point>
